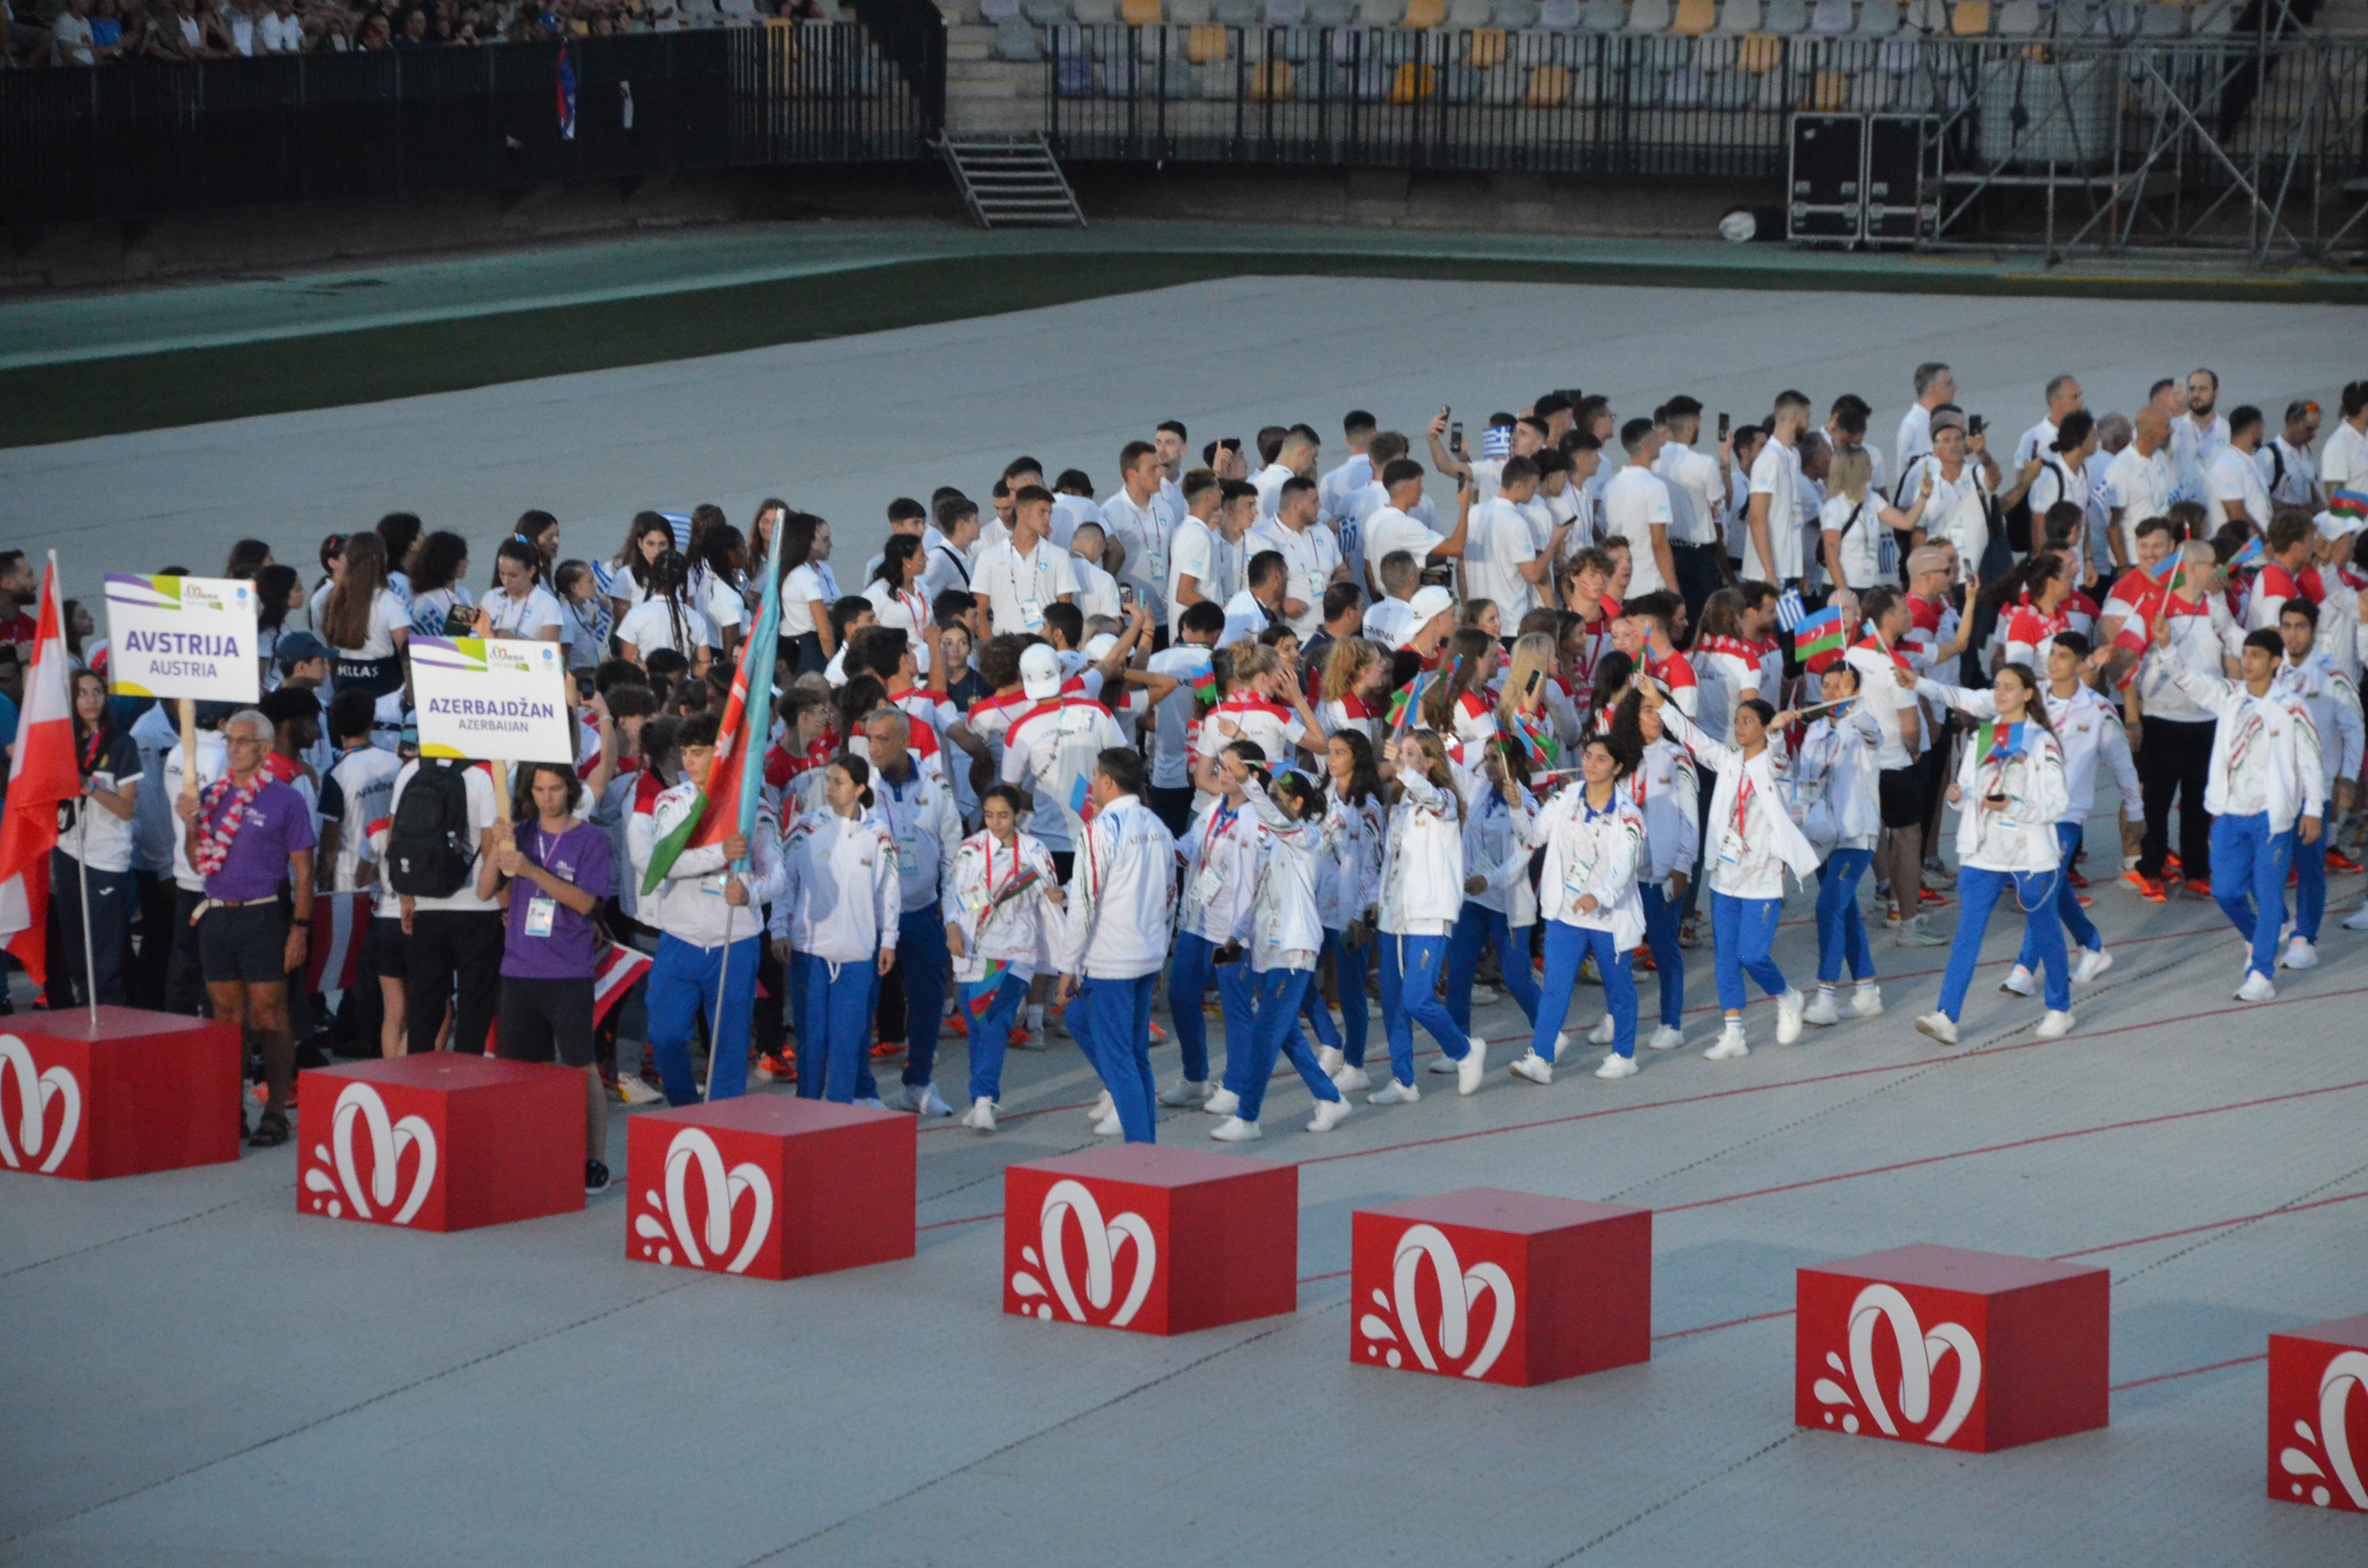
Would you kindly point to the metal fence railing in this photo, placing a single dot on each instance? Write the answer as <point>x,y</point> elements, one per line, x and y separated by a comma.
<point>150,138</point>
<point>2199,116</point>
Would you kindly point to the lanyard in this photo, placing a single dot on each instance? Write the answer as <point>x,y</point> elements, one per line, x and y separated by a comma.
<point>1742,808</point>
<point>1220,822</point>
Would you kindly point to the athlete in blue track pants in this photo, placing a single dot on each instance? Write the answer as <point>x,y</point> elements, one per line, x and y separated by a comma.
<point>1120,893</point>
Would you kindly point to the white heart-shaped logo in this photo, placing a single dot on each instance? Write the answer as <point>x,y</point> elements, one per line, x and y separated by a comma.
<point>1069,1197</point>
<point>693,1149</point>
<point>1919,1355</point>
<point>359,1102</point>
<point>34,1093</point>
<point>2346,1371</point>
<point>1459,1291</point>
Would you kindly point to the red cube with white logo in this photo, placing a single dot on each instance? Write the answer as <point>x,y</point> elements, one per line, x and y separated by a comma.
<point>2318,1415</point>
<point>1974,1351</point>
<point>1500,1287</point>
<point>444,1140</point>
<point>135,1092</point>
<point>771,1186</point>
<point>1150,1238</point>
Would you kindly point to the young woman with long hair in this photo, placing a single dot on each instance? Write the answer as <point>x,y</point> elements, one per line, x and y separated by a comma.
<point>363,621</point>
<point>666,619</point>
<point>1666,788</point>
<point>1593,836</point>
<point>279,592</point>
<point>1456,703</point>
<point>895,592</point>
<point>1002,899</point>
<point>806,594</point>
<point>1347,887</point>
<point>718,577</point>
<point>1220,854</point>
<point>1421,897</point>
<point>94,844</point>
<point>442,605</point>
<point>647,536</point>
<point>2031,603</point>
<point>1355,688</point>
<point>520,607</point>
<point>763,527</point>
<point>837,922</point>
<point>1836,800</point>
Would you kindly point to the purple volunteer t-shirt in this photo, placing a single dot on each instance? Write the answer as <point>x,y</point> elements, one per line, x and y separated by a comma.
<point>579,856</point>
<point>278,824</point>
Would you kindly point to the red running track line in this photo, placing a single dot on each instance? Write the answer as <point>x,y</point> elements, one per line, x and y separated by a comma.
<point>2190,1373</point>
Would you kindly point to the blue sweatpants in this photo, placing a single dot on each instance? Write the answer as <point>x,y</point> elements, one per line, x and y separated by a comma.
<point>1662,919</point>
<point>1112,1021</point>
<point>835,1026</point>
<point>922,957</point>
<point>2082,930</point>
<point>1841,929</point>
<point>683,986</point>
<point>1409,996</point>
<point>1743,929</point>
<point>2310,888</point>
<point>1475,925</point>
<point>1189,972</point>
<point>1567,946</point>
<point>2034,893</point>
<point>2249,881</point>
<point>1350,968</point>
<point>813,1058</point>
<point>990,1031</point>
<point>1279,992</point>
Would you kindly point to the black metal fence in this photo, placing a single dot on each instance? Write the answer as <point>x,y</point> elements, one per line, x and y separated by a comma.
<point>2210,118</point>
<point>146,139</point>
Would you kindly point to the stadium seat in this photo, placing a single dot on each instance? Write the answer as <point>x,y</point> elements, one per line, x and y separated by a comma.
<point>1270,82</point>
<point>998,10</point>
<point>1468,14</point>
<point>1286,12</point>
<point>1016,40</point>
<point>1095,13</point>
<point>1558,16</point>
<point>1072,67</point>
<point>1139,13</point>
<point>1784,17</point>
<point>1484,48</point>
<point>1648,17</point>
<point>1237,13</point>
<point>1424,15</point>
<point>1604,15</point>
<point>1549,85</point>
<point>1045,13</point>
<point>1739,18</point>
<point>1832,18</point>
<point>1760,54</point>
<point>1380,13</point>
<point>1970,18</point>
<point>1331,12</point>
<point>1694,18</point>
<point>1899,56</point>
<point>1928,16</point>
<point>1514,15</point>
<point>1413,83</point>
<point>1207,44</point>
<point>1828,92</point>
<point>1879,19</point>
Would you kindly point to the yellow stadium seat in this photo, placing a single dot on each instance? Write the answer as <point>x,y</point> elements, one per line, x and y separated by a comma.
<point>1139,13</point>
<point>1423,14</point>
<point>1205,44</point>
<point>1488,47</point>
<point>1694,18</point>
<point>1549,85</point>
<point>1760,53</point>
<point>1270,81</point>
<point>1971,19</point>
<point>1828,92</point>
<point>1414,84</point>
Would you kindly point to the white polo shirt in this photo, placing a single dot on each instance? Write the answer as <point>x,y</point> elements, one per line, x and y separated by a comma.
<point>1017,587</point>
<point>1389,530</point>
<point>1197,552</point>
<point>1502,540</point>
<point>1634,501</point>
<point>2232,475</point>
<point>1775,473</point>
<point>2140,487</point>
<point>1311,554</point>
<point>1695,493</point>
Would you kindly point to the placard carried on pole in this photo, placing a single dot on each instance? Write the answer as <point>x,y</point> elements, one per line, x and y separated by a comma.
<point>482,699</point>
<point>182,637</point>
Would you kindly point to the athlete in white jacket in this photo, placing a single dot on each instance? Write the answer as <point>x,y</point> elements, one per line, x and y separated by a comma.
<point>2089,734</point>
<point>1218,851</point>
<point>1121,898</point>
<point>2328,695</point>
<point>1348,890</point>
<point>1422,894</point>
<point>836,928</point>
<point>1836,799</point>
<point>1002,899</point>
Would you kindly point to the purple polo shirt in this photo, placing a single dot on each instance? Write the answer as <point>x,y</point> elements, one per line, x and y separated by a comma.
<point>579,856</point>
<point>278,824</point>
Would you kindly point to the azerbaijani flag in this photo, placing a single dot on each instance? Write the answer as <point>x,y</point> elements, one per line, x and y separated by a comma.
<point>1204,682</point>
<point>983,1000</point>
<point>1536,743</point>
<point>1997,741</point>
<point>747,720</point>
<point>2249,555</point>
<point>1819,639</point>
<point>2348,504</point>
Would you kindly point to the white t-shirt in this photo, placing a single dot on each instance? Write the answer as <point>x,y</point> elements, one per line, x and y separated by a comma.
<point>1501,540</point>
<point>1017,587</point>
<point>725,604</point>
<point>2139,487</point>
<point>386,614</point>
<point>1097,589</point>
<point>1775,473</point>
<point>1173,717</point>
<point>2343,459</point>
<point>2232,475</point>
<point>1311,554</point>
<point>1390,530</point>
<point>1142,531</point>
<point>1269,482</point>
<point>528,618</point>
<point>1886,700</point>
<point>1866,525</point>
<point>483,815</point>
<point>649,628</point>
<point>1196,552</point>
<point>801,591</point>
<point>1915,441</point>
<point>1634,501</point>
<point>1696,494</point>
<point>431,611</point>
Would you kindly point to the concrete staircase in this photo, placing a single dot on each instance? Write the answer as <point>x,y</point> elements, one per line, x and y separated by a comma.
<point>985,96</point>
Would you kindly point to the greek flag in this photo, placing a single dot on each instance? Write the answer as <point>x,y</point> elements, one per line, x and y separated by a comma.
<point>1496,441</point>
<point>1790,610</point>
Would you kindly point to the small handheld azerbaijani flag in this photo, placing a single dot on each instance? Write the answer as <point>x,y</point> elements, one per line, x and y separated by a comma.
<point>1791,612</point>
<point>1818,640</point>
<point>1997,741</point>
<point>2348,503</point>
<point>1079,788</point>
<point>567,92</point>
<point>2249,555</point>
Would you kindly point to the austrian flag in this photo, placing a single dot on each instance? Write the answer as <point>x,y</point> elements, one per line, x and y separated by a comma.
<point>42,775</point>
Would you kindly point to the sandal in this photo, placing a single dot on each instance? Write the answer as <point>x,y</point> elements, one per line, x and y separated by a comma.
<point>270,1131</point>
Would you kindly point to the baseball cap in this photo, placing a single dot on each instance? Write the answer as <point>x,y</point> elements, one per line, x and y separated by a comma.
<point>1428,605</point>
<point>297,646</point>
<point>1039,671</point>
<point>1099,648</point>
<point>2337,525</point>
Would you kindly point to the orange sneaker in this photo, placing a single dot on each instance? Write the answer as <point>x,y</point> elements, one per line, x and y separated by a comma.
<point>1157,1032</point>
<point>887,1048</point>
<point>2149,889</point>
<point>1929,899</point>
<point>956,1027</point>
<point>1018,1040</point>
<point>778,1067</point>
<point>2172,863</point>
<point>2338,861</point>
<point>2076,879</point>
<point>2199,887</point>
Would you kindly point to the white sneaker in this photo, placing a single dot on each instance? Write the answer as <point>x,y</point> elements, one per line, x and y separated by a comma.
<point>2092,963</point>
<point>1329,1060</point>
<point>633,1090</point>
<point>1669,1037</point>
<point>2018,982</point>
<point>1485,996</point>
<point>1348,1079</point>
<point>2055,1026</point>
<point>1223,1102</point>
<point>2257,988</point>
<point>1185,1091</point>
<point>1867,1001</point>
<point>1109,1127</point>
<point>1917,934</point>
<point>980,1117</point>
<point>1233,1130</point>
<point>1440,1063</point>
<point>1617,1066</point>
<point>1601,1034</point>
<point>1103,1108</point>
<point>923,1100</point>
<point>873,1101</point>
<point>1788,1017</point>
<point>2299,954</point>
<point>1533,1068</point>
<point>1472,1069</point>
<point>2357,920</point>
<point>1821,1010</point>
<point>1329,1114</point>
<point>1938,1026</point>
<point>1394,1093</point>
<point>1730,1045</point>
<point>1562,1043</point>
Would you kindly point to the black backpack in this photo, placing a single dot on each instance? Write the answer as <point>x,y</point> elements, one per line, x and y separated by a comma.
<point>430,848</point>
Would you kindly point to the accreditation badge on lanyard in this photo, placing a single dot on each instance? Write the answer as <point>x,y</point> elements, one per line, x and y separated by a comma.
<point>1731,841</point>
<point>1212,879</point>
